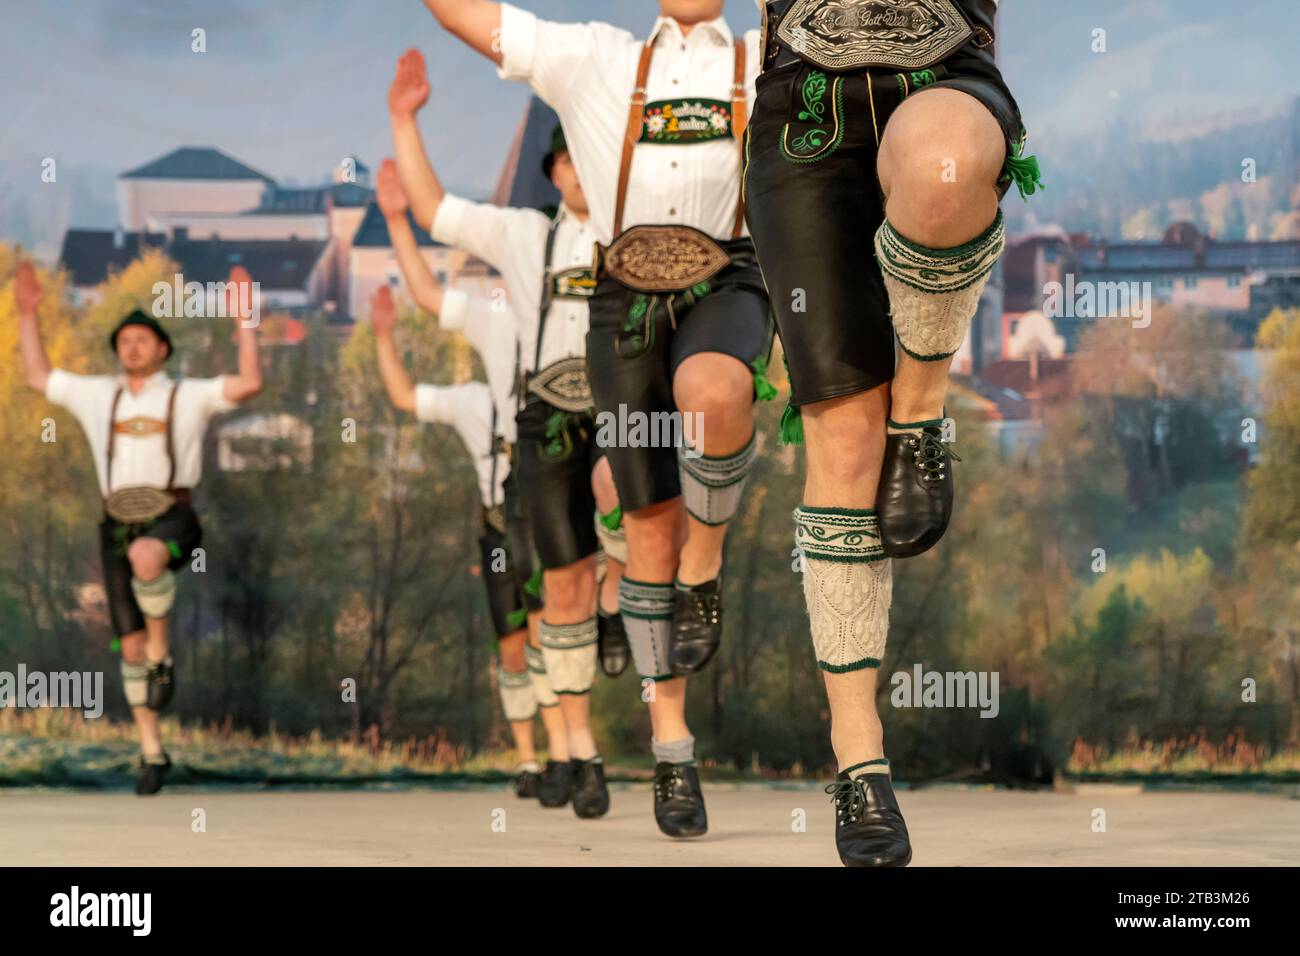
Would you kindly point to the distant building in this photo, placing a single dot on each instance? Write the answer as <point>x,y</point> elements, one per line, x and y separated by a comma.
<point>189,179</point>
<point>1241,281</point>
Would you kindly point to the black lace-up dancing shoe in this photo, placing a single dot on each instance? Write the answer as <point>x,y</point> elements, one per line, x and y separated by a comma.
<point>697,627</point>
<point>162,685</point>
<point>869,828</point>
<point>557,783</point>
<point>150,780</point>
<point>679,802</point>
<point>915,498</point>
<point>611,644</point>
<point>590,795</point>
<point>528,784</point>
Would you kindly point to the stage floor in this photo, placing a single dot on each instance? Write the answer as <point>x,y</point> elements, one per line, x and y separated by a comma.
<point>749,826</point>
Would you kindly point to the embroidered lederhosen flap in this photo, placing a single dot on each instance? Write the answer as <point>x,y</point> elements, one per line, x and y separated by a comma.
<point>563,384</point>
<point>842,36</point>
<point>661,258</point>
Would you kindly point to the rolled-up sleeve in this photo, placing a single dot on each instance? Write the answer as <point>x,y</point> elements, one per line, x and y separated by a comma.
<point>432,405</point>
<point>544,54</point>
<point>455,310</point>
<point>481,229</point>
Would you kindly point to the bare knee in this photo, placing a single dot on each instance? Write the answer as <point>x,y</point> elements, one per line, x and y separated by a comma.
<point>570,590</point>
<point>719,389</point>
<point>511,648</point>
<point>133,647</point>
<point>148,557</point>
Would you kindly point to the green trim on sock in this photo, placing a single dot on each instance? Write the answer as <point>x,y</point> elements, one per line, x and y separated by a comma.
<point>955,252</point>
<point>928,423</point>
<point>848,512</point>
<point>847,668</point>
<point>926,358</point>
<point>867,763</point>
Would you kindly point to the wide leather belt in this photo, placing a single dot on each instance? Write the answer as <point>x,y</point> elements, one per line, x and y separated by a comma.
<point>563,384</point>
<point>655,259</point>
<point>844,36</point>
<point>141,504</point>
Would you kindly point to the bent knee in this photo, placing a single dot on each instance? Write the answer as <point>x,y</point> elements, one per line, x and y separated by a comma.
<point>148,557</point>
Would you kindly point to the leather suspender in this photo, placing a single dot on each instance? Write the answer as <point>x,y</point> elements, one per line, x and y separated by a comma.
<point>636,113</point>
<point>545,305</point>
<point>112,437</point>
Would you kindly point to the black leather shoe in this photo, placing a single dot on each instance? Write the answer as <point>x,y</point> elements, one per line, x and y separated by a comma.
<point>151,776</point>
<point>869,827</point>
<point>679,802</point>
<point>915,498</point>
<point>528,784</point>
<point>590,795</point>
<point>697,627</point>
<point>557,783</point>
<point>162,685</point>
<point>611,643</point>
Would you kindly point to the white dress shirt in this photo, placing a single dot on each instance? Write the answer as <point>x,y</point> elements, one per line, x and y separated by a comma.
<point>586,72</point>
<point>468,409</point>
<point>141,459</point>
<point>491,330</point>
<point>513,241</point>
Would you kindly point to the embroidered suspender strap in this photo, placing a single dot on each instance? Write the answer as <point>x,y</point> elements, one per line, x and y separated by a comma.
<point>112,439</point>
<point>635,114</point>
<point>739,119</point>
<point>171,457</point>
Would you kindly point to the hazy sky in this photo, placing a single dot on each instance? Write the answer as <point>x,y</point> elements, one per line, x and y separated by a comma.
<point>291,86</point>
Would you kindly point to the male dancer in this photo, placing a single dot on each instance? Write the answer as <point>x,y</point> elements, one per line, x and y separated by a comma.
<point>543,263</point>
<point>679,320</point>
<point>469,408</point>
<point>492,334</point>
<point>146,436</point>
<point>924,106</point>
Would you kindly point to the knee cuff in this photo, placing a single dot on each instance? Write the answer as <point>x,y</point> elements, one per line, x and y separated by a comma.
<point>847,585</point>
<point>934,293</point>
<point>157,596</point>
<point>647,611</point>
<point>712,487</point>
<point>135,683</point>
<point>537,675</point>
<point>570,653</point>
<point>518,699</point>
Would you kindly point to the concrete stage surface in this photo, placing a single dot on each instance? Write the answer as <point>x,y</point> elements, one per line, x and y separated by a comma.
<point>750,825</point>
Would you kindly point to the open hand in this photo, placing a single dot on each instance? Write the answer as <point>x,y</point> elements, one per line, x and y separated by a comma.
<point>410,88</point>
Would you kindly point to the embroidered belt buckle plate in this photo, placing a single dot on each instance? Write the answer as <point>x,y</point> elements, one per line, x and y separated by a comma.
<point>655,259</point>
<point>563,384</point>
<point>138,504</point>
<point>842,36</point>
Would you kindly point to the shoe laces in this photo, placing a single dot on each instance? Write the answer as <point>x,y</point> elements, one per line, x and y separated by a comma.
<point>849,797</point>
<point>930,456</point>
<point>670,785</point>
<point>706,605</point>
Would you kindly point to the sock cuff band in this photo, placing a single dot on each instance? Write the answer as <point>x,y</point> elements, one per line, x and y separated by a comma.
<point>719,472</point>
<point>646,601</point>
<point>568,636</point>
<point>536,660</point>
<point>939,271</point>
<point>928,423</point>
<point>832,534</point>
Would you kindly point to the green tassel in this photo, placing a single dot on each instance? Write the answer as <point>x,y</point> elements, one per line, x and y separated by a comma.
<point>612,520</point>
<point>1024,170</point>
<point>558,442</point>
<point>764,389</point>
<point>791,426</point>
<point>115,645</point>
<point>534,584</point>
<point>517,618</point>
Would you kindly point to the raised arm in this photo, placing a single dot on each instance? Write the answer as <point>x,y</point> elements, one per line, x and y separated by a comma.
<point>406,95</point>
<point>248,382</point>
<point>476,22</point>
<point>425,288</point>
<point>27,297</point>
<point>383,318</point>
